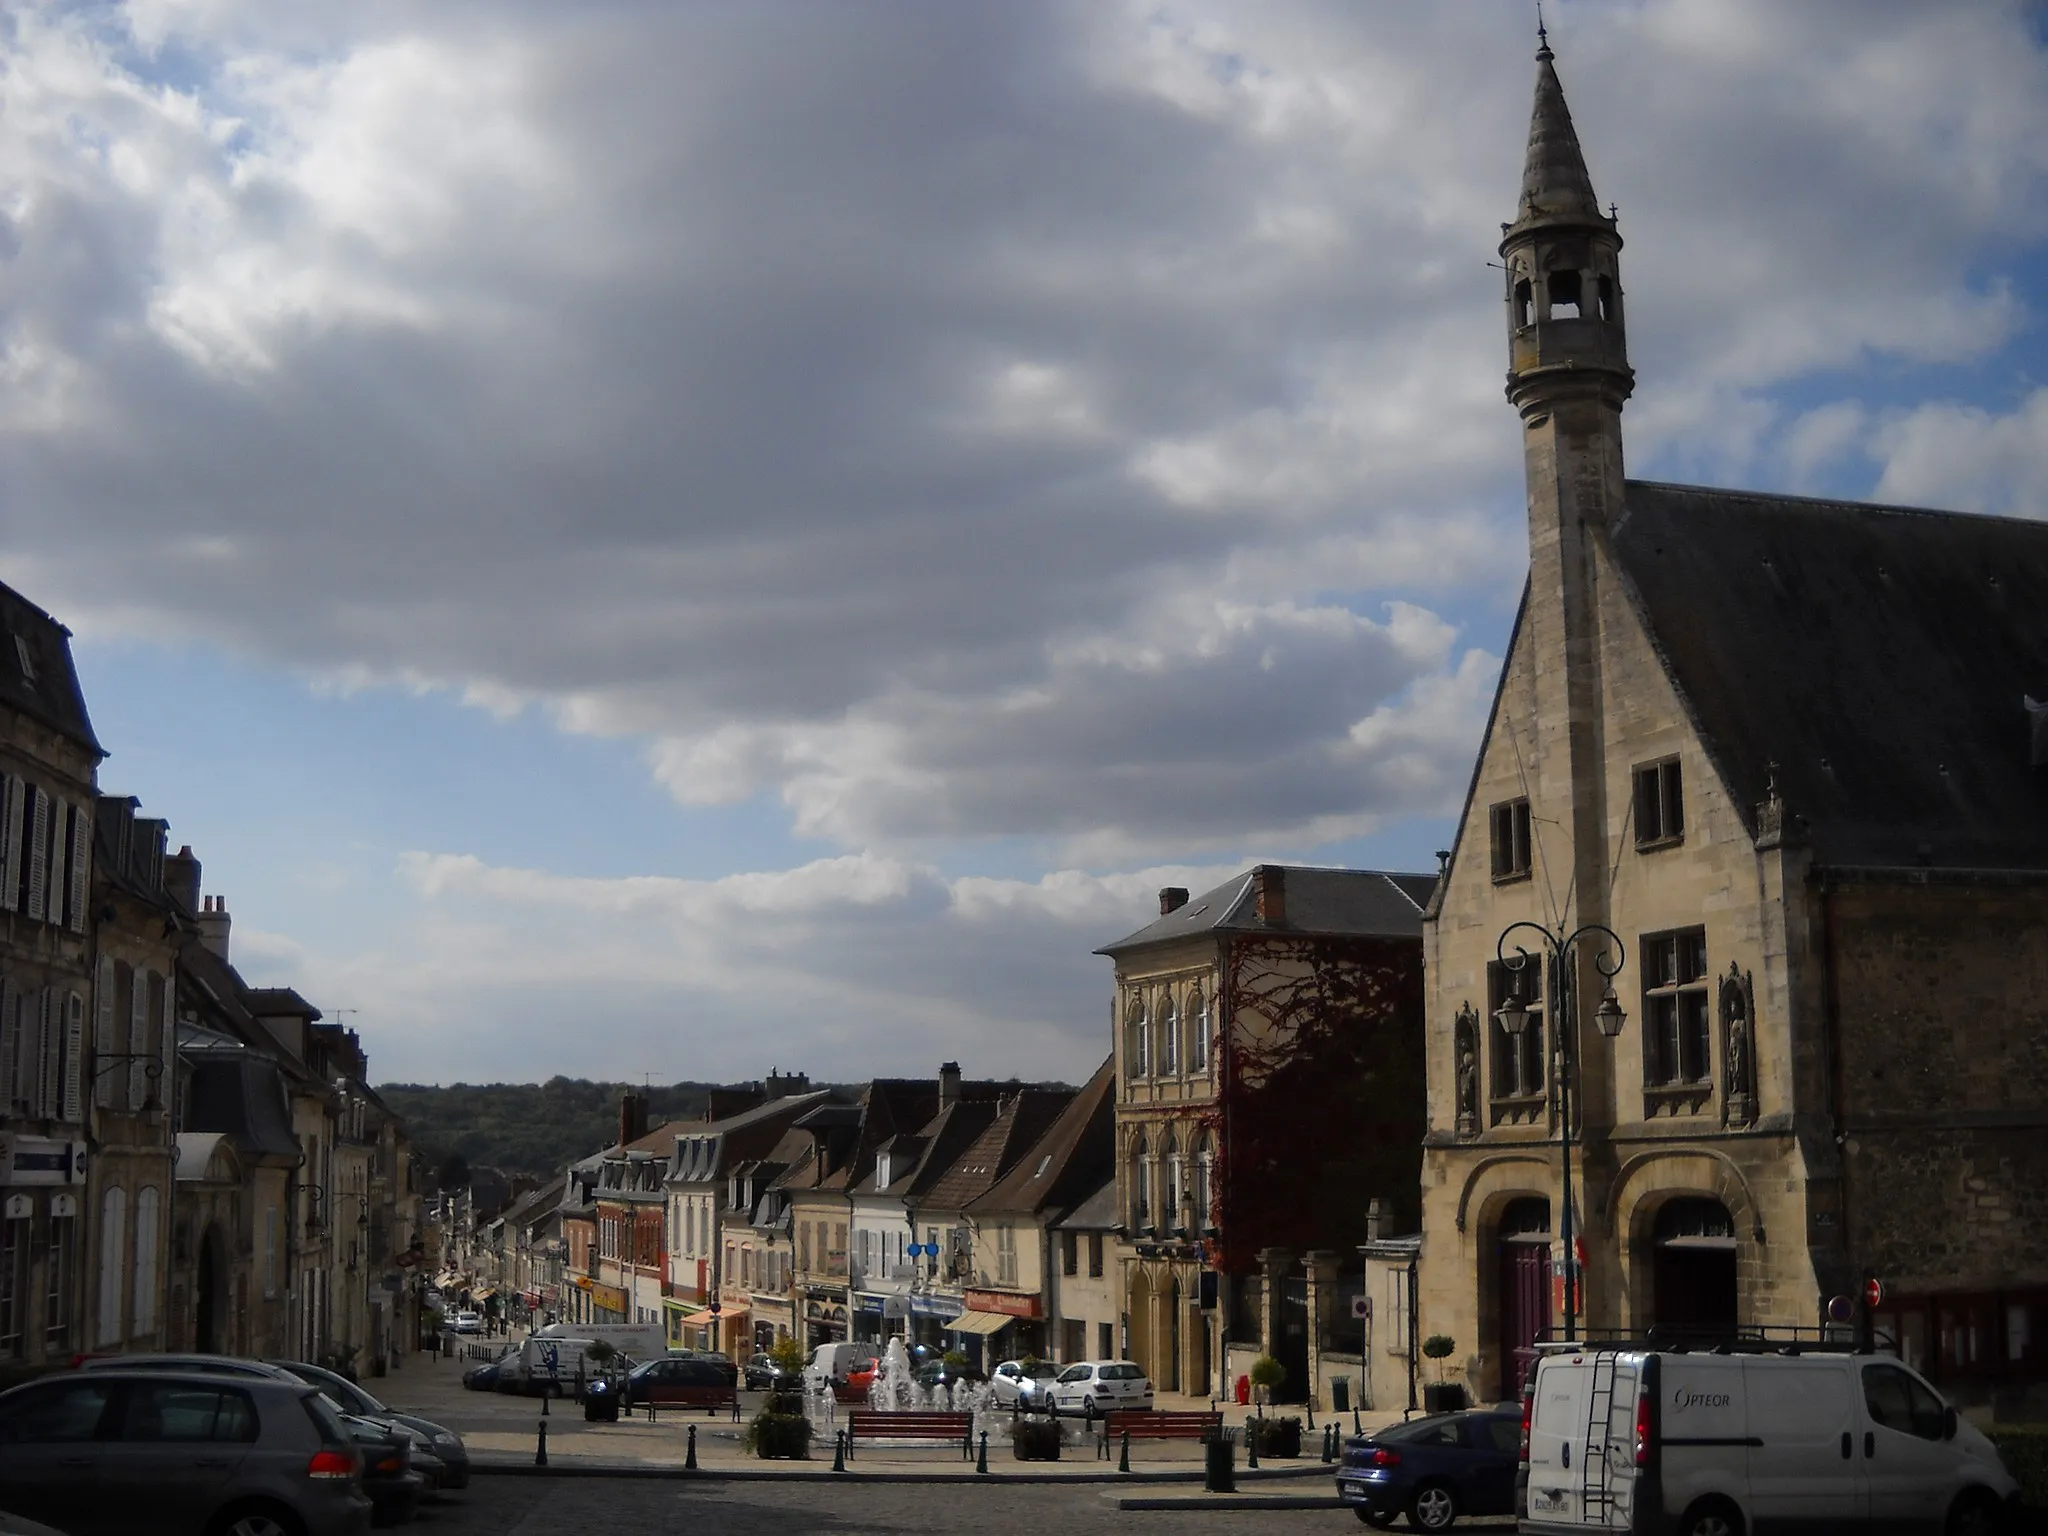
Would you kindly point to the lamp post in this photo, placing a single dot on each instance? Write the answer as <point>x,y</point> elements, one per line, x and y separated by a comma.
<point>1560,1004</point>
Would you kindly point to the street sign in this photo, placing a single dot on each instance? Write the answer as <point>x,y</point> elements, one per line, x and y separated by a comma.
<point>1873,1292</point>
<point>1841,1309</point>
<point>1361,1307</point>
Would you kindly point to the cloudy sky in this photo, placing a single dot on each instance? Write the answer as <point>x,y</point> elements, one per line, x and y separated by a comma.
<point>640,537</point>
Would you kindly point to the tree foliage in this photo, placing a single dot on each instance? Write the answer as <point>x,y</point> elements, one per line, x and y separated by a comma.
<point>536,1128</point>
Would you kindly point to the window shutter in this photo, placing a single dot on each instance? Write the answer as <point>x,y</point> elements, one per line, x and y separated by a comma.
<point>103,1035</point>
<point>47,1062</point>
<point>81,865</point>
<point>10,1047</point>
<point>54,883</point>
<point>144,1309</point>
<point>167,1044</point>
<point>10,840</point>
<point>74,1053</point>
<point>138,1039</point>
<point>37,823</point>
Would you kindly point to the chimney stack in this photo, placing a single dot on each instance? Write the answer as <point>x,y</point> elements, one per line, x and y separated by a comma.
<point>181,878</point>
<point>787,1085</point>
<point>1172,898</point>
<point>1269,891</point>
<point>632,1117</point>
<point>1374,1215</point>
<point>949,1084</point>
<point>214,923</point>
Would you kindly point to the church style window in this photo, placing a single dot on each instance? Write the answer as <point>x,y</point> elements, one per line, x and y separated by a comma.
<point>1138,1042</point>
<point>1660,803</point>
<point>1198,1031</point>
<point>1169,1037</point>
<point>1675,1038</point>
<point>1511,840</point>
<point>1517,1077</point>
<point>1141,1186</point>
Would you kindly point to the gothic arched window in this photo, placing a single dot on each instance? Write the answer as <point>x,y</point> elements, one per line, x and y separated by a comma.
<point>1169,1036</point>
<point>1202,1212</point>
<point>1198,1031</point>
<point>1141,1185</point>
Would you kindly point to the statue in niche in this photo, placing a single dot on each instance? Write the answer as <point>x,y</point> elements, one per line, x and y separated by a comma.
<point>1466,1034</point>
<point>1738,1046</point>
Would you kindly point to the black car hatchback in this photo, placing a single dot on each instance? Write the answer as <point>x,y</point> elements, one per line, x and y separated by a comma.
<point>1434,1470</point>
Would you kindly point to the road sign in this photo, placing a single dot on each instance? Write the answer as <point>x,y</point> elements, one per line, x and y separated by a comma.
<point>1841,1309</point>
<point>1873,1292</point>
<point>1361,1306</point>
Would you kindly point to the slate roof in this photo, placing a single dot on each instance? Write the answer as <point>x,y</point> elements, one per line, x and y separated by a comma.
<point>1879,656</point>
<point>1020,1121</point>
<point>1348,903</point>
<point>46,689</point>
<point>1555,185</point>
<point>1070,1159</point>
<point>241,1095</point>
<point>1097,1212</point>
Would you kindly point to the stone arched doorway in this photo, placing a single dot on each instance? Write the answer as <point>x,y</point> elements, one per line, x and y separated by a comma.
<point>1143,1307</point>
<point>210,1294</point>
<point>1692,1265</point>
<point>1521,1287</point>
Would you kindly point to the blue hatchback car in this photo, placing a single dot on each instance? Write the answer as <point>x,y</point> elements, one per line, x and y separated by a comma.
<point>1434,1470</point>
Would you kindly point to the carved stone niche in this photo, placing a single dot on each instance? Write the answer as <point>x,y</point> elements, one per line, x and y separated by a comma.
<point>1738,1046</point>
<point>1465,1035</point>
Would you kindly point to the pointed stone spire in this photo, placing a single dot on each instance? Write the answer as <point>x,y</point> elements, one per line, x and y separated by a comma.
<point>1555,186</point>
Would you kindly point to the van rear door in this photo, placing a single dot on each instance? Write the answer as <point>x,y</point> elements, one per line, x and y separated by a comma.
<point>1804,1463</point>
<point>1557,1427</point>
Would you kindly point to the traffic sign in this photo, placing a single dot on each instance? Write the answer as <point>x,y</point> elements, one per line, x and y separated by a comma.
<point>1873,1292</point>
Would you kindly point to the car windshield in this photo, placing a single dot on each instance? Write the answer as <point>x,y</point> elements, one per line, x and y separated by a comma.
<point>1122,1373</point>
<point>1078,1373</point>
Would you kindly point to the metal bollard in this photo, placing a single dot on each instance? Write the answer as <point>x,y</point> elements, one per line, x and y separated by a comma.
<point>1357,1428</point>
<point>1123,1455</point>
<point>981,1463</point>
<point>545,1394</point>
<point>540,1451</point>
<point>839,1451</point>
<point>1251,1445</point>
<point>690,1459</point>
<point>1311,1415</point>
<point>650,1412</point>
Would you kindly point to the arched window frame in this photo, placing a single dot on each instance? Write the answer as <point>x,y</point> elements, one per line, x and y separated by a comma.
<point>1203,1201</point>
<point>1169,1035</point>
<point>1170,1186</point>
<point>1198,1030</point>
<point>1141,1183</point>
<point>113,1276</point>
<point>1138,1040</point>
<point>143,1308</point>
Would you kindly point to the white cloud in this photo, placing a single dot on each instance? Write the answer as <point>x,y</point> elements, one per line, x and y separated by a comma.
<point>1952,455</point>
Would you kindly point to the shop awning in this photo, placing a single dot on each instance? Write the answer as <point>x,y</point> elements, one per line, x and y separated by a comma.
<point>707,1317</point>
<point>980,1322</point>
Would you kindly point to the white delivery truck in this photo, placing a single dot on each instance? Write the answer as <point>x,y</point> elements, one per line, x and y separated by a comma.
<point>553,1366</point>
<point>1749,1437</point>
<point>641,1341</point>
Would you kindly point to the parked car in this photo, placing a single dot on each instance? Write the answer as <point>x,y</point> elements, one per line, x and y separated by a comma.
<point>841,1364</point>
<point>389,1479</point>
<point>764,1375</point>
<point>1021,1384</point>
<point>935,1373</point>
<point>466,1321</point>
<point>1098,1386</point>
<point>180,1453</point>
<point>1433,1470</point>
<point>483,1378</point>
<point>449,1456</point>
<point>1754,1436</point>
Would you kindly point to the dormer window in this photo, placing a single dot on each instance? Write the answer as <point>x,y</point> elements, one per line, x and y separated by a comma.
<point>882,1172</point>
<point>1510,825</point>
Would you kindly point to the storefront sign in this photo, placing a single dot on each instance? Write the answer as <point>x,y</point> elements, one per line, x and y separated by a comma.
<point>609,1297</point>
<point>937,1306</point>
<point>40,1160</point>
<point>1008,1303</point>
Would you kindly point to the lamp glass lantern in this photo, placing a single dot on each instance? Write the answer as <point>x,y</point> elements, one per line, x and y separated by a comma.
<point>1513,1016</point>
<point>1610,1016</point>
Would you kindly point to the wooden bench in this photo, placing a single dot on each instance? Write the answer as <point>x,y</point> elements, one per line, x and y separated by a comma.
<point>710,1399</point>
<point>868,1424</point>
<point>1148,1424</point>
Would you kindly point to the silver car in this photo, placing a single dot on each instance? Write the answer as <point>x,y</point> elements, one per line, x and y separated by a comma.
<point>1025,1384</point>
<point>1098,1386</point>
<point>108,1452</point>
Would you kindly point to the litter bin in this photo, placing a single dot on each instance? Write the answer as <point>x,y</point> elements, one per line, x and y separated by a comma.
<point>1340,1394</point>
<point>1220,1473</point>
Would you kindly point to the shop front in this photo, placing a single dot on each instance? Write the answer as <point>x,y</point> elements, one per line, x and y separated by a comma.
<point>998,1326</point>
<point>825,1319</point>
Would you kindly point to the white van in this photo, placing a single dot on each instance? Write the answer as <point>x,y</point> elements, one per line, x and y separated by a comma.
<point>1746,1438</point>
<point>832,1363</point>
<point>642,1341</point>
<point>551,1365</point>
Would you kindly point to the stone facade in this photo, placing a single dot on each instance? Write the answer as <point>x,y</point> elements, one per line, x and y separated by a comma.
<point>1829,1067</point>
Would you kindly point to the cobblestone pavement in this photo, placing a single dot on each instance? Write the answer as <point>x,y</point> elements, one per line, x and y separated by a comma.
<point>524,1506</point>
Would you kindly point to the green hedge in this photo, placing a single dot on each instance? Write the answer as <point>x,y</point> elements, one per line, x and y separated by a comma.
<point>2024,1449</point>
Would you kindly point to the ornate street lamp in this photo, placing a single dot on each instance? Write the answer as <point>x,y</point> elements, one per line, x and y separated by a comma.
<point>1556,953</point>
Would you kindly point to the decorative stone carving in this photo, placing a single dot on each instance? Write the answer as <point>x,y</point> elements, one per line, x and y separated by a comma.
<point>1466,1035</point>
<point>1738,1046</point>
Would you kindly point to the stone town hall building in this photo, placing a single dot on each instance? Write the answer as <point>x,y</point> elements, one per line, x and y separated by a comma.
<point>1788,751</point>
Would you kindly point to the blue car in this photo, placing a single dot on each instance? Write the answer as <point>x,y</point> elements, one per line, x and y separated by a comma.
<point>1434,1470</point>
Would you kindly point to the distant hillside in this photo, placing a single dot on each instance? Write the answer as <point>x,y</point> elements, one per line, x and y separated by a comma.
<point>536,1128</point>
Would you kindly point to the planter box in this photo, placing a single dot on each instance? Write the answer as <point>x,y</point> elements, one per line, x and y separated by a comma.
<point>1443,1397</point>
<point>1280,1438</point>
<point>1035,1440</point>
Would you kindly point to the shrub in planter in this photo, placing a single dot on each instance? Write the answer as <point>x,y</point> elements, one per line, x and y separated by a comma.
<point>784,1403</point>
<point>1441,1396</point>
<point>2024,1450</point>
<point>1035,1439</point>
<point>1267,1374</point>
<point>779,1436</point>
<point>1276,1437</point>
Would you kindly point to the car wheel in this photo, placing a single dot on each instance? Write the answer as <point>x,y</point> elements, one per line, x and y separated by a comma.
<point>1974,1513</point>
<point>1088,1406</point>
<point>1711,1517</point>
<point>256,1522</point>
<point>1373,1517</point>
<point>1433,1508</point>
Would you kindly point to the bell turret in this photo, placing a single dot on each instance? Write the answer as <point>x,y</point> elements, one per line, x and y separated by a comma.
<point>1563,261</point>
